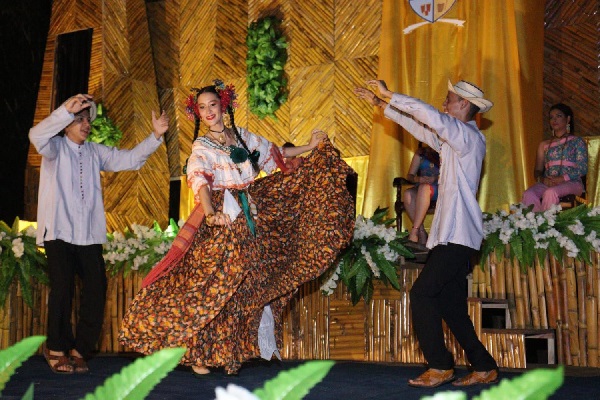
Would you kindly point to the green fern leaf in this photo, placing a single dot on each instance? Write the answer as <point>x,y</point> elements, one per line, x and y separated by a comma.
<point>29,393</point>
<point>12,357</point>
<point>447,395</point>
<point>538,384</point>
<point>361,278</point>
<point>295,383</point>
<point>135,381</point>
<point>368,292</point>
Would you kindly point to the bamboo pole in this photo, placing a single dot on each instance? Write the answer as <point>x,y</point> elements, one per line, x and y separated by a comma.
<point>539,280</point>
<point>519,296</point>
<point>550,294</point>
<point>19,313</point>
<point>481,282</point>
<point>560,310</point>
<point>501,294</point>
<point>487,274</point>
<point>510,290</point>
<point>592,319</point>
<point>564,305</point>
<point>581,285</point>
<point>493,271</point>
<point>534,305</point>
<point>571,283</point>
<point>475,274</point>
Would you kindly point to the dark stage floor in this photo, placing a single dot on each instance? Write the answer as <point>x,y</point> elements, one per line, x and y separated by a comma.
<point>346,380</point>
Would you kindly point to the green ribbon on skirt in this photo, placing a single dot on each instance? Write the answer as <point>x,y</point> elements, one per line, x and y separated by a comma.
<point>246,208</point>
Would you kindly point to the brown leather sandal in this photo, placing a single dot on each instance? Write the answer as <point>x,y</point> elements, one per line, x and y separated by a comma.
<point>55,362</point>
<point>478,378</point>
<point>79,364</point>
<point>432,378</point>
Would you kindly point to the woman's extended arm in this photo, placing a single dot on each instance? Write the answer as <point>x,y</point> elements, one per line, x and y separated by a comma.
<point>316,138</point>
<point>212,217</point>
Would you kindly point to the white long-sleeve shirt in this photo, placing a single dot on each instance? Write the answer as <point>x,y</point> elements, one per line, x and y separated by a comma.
<point>70,203</point>
<point>458,218</point>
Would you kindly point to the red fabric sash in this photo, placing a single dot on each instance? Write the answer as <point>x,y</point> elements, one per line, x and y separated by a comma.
<point>180,245</point>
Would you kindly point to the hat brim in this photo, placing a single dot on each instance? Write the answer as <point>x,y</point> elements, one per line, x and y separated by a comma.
<point>93,110</point>
<point>483,104</point>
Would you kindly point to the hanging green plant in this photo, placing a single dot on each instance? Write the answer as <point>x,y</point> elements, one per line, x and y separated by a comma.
<point>104,131</point>
<point>265,62</point>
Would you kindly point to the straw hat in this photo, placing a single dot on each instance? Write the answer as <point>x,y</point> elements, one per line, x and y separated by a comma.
<point>93,109</point>
<point>471,93</point>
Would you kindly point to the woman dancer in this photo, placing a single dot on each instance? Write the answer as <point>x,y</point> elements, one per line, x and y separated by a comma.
<point>247,245</point>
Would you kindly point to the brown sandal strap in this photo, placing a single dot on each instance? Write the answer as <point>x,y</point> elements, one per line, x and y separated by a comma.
<point>61,361</point>
<point>79,363</point>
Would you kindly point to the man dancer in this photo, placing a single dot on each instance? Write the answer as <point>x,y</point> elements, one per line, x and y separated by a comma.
<point>440,291</point>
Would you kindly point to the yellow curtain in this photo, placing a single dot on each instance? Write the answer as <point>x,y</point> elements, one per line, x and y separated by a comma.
<point>500,49</point>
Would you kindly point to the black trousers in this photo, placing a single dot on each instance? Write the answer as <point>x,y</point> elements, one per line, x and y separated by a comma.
<point>65,261</point>
<point>440,292</point>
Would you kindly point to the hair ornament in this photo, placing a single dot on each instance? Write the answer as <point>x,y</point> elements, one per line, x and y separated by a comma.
<point>191,105</point>
<point>227,94</point>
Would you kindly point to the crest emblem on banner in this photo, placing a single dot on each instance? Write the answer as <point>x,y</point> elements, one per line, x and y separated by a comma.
<point>431,10</point>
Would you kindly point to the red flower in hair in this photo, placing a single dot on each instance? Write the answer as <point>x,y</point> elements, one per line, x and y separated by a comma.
<point>191,107</point>
<point>227,95</point>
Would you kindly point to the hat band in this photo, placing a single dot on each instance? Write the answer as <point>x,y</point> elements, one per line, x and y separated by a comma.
<point>474,95</point>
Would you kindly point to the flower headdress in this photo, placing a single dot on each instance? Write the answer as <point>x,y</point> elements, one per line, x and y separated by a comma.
<point>226,93</point>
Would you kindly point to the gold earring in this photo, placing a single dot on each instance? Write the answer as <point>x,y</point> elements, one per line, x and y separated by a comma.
<point>568,128</point>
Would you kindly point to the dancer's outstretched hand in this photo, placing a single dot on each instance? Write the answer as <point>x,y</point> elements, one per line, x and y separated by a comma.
<point>160,124</point>
<point>317,137</point>
<point>381,87</point>
<point>366,94</point>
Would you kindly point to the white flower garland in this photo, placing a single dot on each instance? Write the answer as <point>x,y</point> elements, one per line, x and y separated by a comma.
<point>365,228</point>
<point>541,226</point>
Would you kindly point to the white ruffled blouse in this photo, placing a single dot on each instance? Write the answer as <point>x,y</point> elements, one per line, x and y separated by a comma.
<point>210,164</point>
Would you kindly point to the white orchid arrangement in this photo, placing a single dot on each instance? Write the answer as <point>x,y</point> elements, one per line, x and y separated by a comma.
<point>138,248</point>
<point>373,253</point>
<point>20,260</point>
<point>571,233</point>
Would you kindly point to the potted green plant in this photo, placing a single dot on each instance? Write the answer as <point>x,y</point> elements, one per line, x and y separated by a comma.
<point>265,64</point>
<point>104,130</point>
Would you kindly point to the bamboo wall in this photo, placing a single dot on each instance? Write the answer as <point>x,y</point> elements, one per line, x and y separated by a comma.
<point>558,294</point>
<point>571,62</point>
<point>554,295</point>
<point>333,47</point>
<point>122,78</point>
<point>147,55</point>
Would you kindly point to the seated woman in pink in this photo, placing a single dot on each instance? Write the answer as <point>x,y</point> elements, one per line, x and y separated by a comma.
<point>560,162</point>
<point>424,171</point>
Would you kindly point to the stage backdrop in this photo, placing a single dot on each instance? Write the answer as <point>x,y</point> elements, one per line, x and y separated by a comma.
<point>499,48</point>
<point>148,54</point>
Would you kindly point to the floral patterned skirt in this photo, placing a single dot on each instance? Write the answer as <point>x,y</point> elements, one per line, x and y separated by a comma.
<point>211,302</point>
